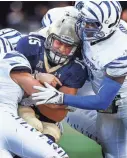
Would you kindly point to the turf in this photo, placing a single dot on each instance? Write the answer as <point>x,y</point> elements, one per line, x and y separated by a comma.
<point>79,146</point>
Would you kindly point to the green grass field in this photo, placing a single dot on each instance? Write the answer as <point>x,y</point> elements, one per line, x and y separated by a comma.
<point>79,146</point>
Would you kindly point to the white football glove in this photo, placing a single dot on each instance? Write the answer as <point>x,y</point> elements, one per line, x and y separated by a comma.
<point>48,95</point>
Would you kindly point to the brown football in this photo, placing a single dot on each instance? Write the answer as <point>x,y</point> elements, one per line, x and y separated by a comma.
<point>56,114</point>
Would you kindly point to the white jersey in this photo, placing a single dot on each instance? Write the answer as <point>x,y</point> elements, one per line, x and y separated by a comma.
<point>109,56</point>
<point>10,92</point>
<point>54,14</point>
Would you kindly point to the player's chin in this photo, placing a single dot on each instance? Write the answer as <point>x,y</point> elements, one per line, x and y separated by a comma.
<point>56,115</point>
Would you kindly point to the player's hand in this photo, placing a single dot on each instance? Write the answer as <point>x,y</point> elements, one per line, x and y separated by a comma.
<point>49,78</point>
<point>47,95</point>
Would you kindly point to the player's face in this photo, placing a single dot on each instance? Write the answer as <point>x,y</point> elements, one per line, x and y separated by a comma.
<point>90,26</point>
<point>63,48</point>
<point>89,29</point>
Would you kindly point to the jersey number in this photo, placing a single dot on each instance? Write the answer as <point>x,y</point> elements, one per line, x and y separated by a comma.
<point>34,40</point>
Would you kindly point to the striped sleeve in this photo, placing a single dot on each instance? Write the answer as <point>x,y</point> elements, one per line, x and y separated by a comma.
<point>117,67</point>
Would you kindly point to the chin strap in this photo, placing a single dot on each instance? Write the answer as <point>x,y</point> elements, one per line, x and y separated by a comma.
<point>50,69</point>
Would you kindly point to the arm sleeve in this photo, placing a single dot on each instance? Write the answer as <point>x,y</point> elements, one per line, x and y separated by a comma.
<point>101,101</point>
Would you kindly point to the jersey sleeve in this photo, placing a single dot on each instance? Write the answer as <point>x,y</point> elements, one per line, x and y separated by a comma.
<point>30,46</point>
<point>76,75</point>
<point>16,61</point>
<point>117,67</point>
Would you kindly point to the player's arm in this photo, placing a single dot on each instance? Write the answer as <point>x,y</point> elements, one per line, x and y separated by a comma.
<point>106,94</point>
<point>74,78</point>
<point>49,78</point>
<point>54,81</point>
<point>109,88</point>
<point>25,81</point>
<point>54,111</point>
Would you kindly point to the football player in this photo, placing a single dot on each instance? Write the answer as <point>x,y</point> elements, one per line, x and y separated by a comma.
<point>106,59</point>
<point>51,130</point>
<point>54,57</point>
<point>16,136</point>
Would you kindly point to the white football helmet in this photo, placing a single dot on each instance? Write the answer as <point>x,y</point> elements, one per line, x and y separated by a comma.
<point>5,47</point>
<point>62,30</point>
<point>11,35</point>
<point>99,19</point>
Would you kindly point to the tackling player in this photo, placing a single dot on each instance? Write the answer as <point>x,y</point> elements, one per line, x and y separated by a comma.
<point>16,136</point>
<point>101,25</point>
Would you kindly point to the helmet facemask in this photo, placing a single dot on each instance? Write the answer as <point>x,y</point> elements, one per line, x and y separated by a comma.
<point>89,29</point>
<point>54,54</point>
<point>62,40</point>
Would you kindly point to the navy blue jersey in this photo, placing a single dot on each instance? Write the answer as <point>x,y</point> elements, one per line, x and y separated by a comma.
<point>73,74</point>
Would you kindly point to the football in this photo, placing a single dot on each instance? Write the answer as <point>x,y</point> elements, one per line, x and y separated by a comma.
<point>55,114</point>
